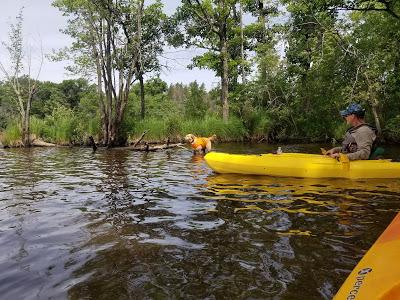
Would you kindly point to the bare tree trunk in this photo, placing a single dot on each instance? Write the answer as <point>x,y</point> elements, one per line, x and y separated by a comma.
<point>27,119</point>
<point>374,104</point>
<point>262,19</point>
<point>376,118</point>
<point>24,110</point>
<point>139,72</point>
<point>16,56</point>
<point>224,80</point>
<point>142,100</point>
<point>109,94</point>
<point>243,69</point>
<point>97,38</point>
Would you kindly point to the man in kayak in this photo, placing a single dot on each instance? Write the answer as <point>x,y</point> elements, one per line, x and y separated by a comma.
<point>359,139</point>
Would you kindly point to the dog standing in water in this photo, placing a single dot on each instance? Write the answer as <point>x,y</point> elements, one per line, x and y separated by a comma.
<point>200,144</point>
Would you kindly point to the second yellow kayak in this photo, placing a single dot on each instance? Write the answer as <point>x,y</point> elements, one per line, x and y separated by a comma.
<point>377,275</point>
<point>301,165</point>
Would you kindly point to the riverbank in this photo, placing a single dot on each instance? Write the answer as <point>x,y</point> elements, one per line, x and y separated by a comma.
<point>153,136</point>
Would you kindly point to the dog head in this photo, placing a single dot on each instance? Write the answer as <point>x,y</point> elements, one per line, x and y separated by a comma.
<point>189,138</point>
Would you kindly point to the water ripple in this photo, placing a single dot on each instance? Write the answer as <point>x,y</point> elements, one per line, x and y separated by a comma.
<point>120,224</point>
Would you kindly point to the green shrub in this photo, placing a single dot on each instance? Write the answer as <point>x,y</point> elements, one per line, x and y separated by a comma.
<point>232,130</point>
<point>176,127</point>
<point>62,126</point>
<point>12,135</point>
<point>173,126</point>
<point>38,126</point>
<point>392,129</point>
<point>257,123</point>
<point>340,131</point>
<point>154,128</point>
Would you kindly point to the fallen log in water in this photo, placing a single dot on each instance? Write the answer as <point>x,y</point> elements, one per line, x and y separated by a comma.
<point>40,143</point>
<point>146,147</point>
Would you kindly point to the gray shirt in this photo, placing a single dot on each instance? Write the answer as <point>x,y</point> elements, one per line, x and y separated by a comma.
<point>357,143</point>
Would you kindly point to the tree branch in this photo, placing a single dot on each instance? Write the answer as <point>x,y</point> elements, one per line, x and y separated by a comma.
<point>386,9</point>
<point>205,17</point>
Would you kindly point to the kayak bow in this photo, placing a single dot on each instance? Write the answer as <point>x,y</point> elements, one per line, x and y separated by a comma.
<point>377,275</point>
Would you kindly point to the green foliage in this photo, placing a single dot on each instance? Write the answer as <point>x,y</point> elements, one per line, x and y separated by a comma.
<point>119,42</point>
<point>61,126</point>
<point>8,110</point>
<point>158,129</point>
<point>12,134</point>
<point>233,130</point>
<point>73,90</point>
<point>258,124</point>
<point>393,129</point>
<point>158,104</point>
<point>340,131</point>
<point>48,96</point>
<point>301,70</point>
<point>38,126</point>
<point>88,116</point>
<point>195,104</point>
<point>176,128</point>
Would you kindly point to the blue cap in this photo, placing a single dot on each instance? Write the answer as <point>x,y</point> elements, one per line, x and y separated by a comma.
<point>353,109</point>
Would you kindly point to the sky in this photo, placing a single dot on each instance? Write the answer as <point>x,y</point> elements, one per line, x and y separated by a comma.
<point>41,27</point>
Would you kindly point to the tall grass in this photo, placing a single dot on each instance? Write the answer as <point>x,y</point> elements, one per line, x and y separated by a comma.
<point>65,126</point>
<point>232,130</point>
<point>176,127</point>
<point>257,124</point>
<point>38,126</point>
<point>158,129</point>
<point>12,135</point>
<point>86,126</point>
<point>61,126</point>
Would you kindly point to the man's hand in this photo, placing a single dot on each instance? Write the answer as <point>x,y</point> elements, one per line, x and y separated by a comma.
<point>335,155</point>
<point>329,152</point>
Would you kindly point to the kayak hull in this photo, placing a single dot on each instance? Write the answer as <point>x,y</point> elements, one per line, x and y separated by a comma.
<point>377,275</point>
<point>300,165</point>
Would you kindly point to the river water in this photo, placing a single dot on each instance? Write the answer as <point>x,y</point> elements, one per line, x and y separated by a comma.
<point>118,224</point>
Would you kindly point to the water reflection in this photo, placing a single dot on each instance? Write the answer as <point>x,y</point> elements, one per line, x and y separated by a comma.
<point>121,224</point>
<point>322,222</point>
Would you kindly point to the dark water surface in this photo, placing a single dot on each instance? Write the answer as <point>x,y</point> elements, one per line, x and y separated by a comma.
<point>119,224</point>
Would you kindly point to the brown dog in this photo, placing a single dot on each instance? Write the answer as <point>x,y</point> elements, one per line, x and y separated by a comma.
<point>200,143</point>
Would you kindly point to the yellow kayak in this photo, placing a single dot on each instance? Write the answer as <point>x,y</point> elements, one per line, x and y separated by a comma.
<point>377,275</point>
<point>301,165</point>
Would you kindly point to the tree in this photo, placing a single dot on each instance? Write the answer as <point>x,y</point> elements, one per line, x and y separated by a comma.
<point>389,7</point>
<point>112,42</point>
<point>8,109</point>
<point>207,24</point>
<point>150,35</point>
<point>373,45</point>
<point>47,99</point>
<point>23,91</point>
<point>195,105</point>
<point>73,90</point>
<point>262,39</point>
